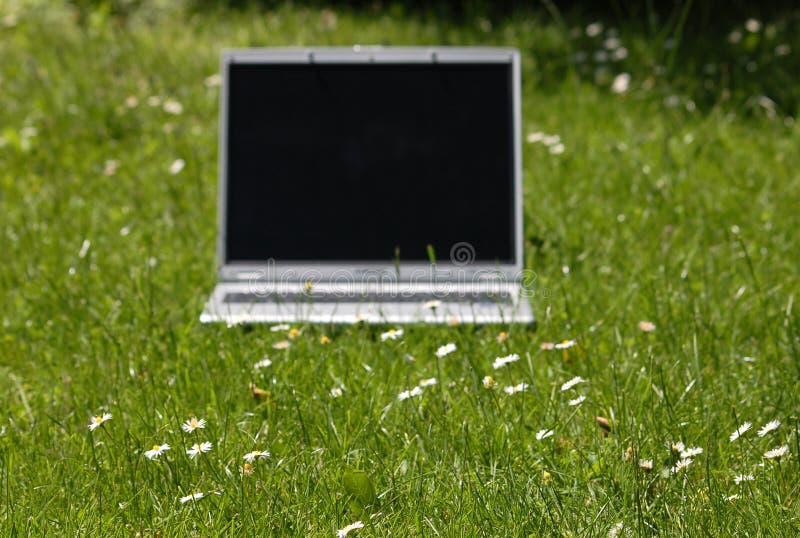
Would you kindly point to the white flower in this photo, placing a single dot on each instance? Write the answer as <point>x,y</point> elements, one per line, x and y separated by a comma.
<point>777,453</point>
<point>621,83</point>
<point>432,305</point>
<point>250,457</point>
<point>406,394</point>
<point>489,382</point>
<point>768,427</point>
<point>556,149</point>
<point>543,434</point>
<point>743,478</point>
<point>752,25</point>
<point>391,334</point>
<point>263,363</point>
<point>176,166</point>
<point>192,497</point>
<point>647,465</point>
<point>171,106</point>
<point>212,81</point>
<point>565,344</point>
<point>731,497</point>
<point>534,137</point>
<point>193,424</point>
<point>594,29</point>
<point>571,383</point>
<point>445,350</point>
<point>344,531</point>
<point>427,382</point>
<point>84,248</point>
<point>156,451</point>
<point>577,401</point>
<point>279,328</point>
<point>98,420</point>
<point>336,392</point>
<point>500,362</point>
<point>283,344</point>
<point>516,388</point>
<point>682,465</point>
<point>740,430</point>
<point>199,448</point>
<point>551,140</point>
<point>613,532</point>
<point>646,326</point>
<point>678,446</point>
<point>691,452</point>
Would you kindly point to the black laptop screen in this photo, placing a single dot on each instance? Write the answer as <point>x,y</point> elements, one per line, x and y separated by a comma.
<point>356,162</point>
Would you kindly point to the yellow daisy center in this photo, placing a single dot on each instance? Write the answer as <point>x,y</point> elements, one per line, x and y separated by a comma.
<point>156,448</point>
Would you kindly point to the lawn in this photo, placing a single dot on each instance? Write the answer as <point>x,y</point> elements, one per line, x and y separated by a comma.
<point>672,198</point>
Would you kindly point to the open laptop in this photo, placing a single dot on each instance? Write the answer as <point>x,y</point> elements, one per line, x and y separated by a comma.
<point>370,184</point>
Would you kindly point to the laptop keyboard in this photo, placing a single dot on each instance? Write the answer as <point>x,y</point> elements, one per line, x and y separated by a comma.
<point>500,297</point>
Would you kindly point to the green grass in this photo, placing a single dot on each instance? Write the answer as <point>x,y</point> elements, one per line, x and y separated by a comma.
<point>682,215</point>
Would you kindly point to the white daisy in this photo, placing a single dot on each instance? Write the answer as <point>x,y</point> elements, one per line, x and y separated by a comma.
<point>176,166</point>
<point>777,453</point>
<point>98,420</point>
<point>500,362</point>
<point>156,451</point>
<point>432,305</point>
<point>646,326</point>
<point>691,452</point>
<point>743,478</point>
<point>521,387</point>
<point>489,382</point>
<point>280,327</point>
<point>647,465</point>
<point>543,434</point>
<point>565,344</point>
<point>263,363</point>
<point>250,457</point>
<point>427,382</point>
<point>613,532</point>
<point>534,137</point>
<point>344,531</point>
<point>577,401</point>
<point>740,430</point>
<point>594,29</point>
<point>391,334</point>
<point>445,350</point>
<point>571,383</point>
<point>406,394</point>
<point>283,344</point>
<point>212,81</point>
<point>192,497</point>
<point>682,465</point>
<point>678,446</point>
<point>768,427</point>
<point>199,448</point>
<point>193,424</point>
<point>621,83</point>
<point>336,392</point>
<point>171,106</point>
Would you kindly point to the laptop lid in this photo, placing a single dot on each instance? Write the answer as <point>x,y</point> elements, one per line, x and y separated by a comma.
<point>370,160</point>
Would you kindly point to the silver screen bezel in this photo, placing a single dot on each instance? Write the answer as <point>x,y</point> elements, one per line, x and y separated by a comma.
<point>445,269</point>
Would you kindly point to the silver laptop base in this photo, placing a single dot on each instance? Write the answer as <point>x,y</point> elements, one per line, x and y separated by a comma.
<point>451,308</point>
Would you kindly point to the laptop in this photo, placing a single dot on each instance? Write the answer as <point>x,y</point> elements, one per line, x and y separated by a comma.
<point>370,184</point>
